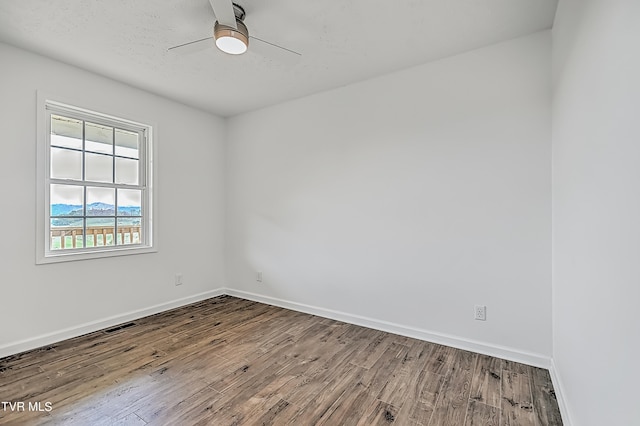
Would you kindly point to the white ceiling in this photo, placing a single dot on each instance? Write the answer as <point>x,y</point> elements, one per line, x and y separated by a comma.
<point>341,42</point>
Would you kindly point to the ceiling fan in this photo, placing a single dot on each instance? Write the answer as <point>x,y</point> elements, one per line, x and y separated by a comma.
<point>230,32</point>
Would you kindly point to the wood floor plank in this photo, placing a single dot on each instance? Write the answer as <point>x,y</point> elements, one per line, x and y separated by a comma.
<point>227,360</point>
<point>258,369</point>
<point>381,413</point>
<point>378,342</point>
<point>378,377</point>
<point>199,407</point>
<point>201,366</point>
<point>479,414</point>
<point>271,411</point>
<point>350,407</point>
<point>451,408</point>
<point>11,375</point>
<point>420,403</point>
<point>544,397</point>
<point>325,402</point>
<point>26,359</point>
<point>404,381</point>
<point>516,367</point>
<point>301,390</point>
<point>252,398</point>
<point>327,356</point>
<point>116,401</point>
<point>487,379</point>
<point>517,406</point>
<point>440,360</point>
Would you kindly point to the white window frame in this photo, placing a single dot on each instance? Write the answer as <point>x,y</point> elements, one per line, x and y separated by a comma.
<point>48,106</point>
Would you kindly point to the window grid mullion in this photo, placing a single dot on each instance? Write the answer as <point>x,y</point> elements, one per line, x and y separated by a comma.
<point>115,190</point>
<point>93,152</point>
<point>115,218</point>
<point>84,152</point>
<point>113,155</point>
<point>71,182</point>
<point>84,217</point>
<point>84,196</point>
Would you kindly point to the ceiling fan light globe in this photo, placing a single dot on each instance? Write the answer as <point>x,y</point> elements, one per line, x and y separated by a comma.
<point>230,40</point>
<point>231,45</point>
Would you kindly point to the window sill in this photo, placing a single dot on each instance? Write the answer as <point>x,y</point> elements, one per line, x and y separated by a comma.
<point>97,254</point>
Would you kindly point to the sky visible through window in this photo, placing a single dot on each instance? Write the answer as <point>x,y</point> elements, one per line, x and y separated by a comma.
<point>66,161</point>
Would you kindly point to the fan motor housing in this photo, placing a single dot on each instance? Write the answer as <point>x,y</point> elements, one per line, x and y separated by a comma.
<point>241,33</point>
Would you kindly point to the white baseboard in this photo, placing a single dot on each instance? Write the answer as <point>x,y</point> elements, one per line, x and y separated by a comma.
<point>68,333</point>
<point>511,354</point>
<point>559,390</point>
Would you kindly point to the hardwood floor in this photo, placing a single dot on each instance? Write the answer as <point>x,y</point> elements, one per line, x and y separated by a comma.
<point>230,361</point>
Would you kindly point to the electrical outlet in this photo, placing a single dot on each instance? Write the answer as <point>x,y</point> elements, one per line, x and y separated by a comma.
<point>481,312</point>
<point>178,279</point>
<point>259,276</point>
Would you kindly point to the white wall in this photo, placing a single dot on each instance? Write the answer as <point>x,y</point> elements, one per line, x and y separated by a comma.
<point>407,198</point>
<point>43,299</point>
<point>596,209</point>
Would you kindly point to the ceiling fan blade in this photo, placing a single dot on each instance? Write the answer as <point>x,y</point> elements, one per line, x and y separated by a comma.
<point>223,10</point>
<point>273,51</point>
<point>192,46</point>
<point>275,45</point>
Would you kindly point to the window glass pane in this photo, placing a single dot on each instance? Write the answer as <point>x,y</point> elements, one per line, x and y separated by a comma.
<point>129,202</point>
<point>101,201</point>
<point>66,200</point>
<point>100,232</point>
<point>126,171</point>
<point>66,233</point>
<point>98,168</point>
<point>129,231</point>
<point>98,138</point>
<point>127,143</point>
<point>66,132</point>
<point>66,164</point>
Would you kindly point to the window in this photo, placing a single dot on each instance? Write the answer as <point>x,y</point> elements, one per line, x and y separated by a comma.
<point>94,192</point>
